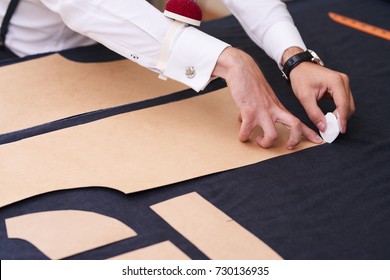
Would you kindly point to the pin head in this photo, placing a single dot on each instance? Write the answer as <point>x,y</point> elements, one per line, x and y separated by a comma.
<point>186,11</point>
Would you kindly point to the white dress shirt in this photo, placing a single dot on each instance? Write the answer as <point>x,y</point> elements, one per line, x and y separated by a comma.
<point>136,30</point>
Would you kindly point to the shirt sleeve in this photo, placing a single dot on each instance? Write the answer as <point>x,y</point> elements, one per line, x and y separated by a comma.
<point>136,30</point>
<point>268,23</point>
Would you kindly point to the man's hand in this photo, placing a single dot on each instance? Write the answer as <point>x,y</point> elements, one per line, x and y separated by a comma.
<point>257,102</point>
<point>311,82</point>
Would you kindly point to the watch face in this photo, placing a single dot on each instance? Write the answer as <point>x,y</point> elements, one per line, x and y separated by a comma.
<point>316,58</point>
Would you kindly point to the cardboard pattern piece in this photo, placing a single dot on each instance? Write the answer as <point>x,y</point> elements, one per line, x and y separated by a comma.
<point>53,87</point>
<point>64,233</point>
<point>211,230</point>
<point>161,251</point>
<point>135,151</point>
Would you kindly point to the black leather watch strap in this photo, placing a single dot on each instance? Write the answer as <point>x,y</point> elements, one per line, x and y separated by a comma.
<point>294,61</point>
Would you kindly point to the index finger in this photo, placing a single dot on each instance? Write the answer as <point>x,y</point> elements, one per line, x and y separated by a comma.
<point>342,97</point>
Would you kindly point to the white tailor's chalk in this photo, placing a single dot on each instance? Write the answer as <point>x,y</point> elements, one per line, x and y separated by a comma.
<point>332,128</point>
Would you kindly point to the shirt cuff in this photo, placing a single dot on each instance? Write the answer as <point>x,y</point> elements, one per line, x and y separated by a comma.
<point>275,45</point>
<point>193,57</point>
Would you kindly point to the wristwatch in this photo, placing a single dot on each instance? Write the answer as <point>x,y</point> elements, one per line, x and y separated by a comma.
<point>295,60</point>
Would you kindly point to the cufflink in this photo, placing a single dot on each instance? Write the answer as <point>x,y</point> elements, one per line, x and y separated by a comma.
<point>190,72</point>
<point>183,12</point>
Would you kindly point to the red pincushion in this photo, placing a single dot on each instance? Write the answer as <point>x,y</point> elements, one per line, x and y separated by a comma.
<point>183,10</point>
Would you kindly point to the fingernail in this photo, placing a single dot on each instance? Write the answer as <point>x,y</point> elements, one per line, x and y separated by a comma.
<point>290,148</point>
<point>342,129</point>
<point>321,126</point>
<point>318,139</point>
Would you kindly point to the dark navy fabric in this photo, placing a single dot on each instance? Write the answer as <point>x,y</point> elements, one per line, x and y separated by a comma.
<point>6,55</point>
<point>327,202</point>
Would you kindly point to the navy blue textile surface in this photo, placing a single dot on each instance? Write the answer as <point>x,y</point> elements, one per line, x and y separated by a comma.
<point>327,202</point>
